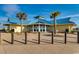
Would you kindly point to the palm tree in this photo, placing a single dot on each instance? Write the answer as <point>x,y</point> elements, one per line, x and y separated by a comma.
<point>9,25</point>
<point>54,15</point>
<point>22,16</point>
<point>39,18</point>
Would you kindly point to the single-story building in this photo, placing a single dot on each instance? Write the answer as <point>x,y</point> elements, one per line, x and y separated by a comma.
<point>41,25</point>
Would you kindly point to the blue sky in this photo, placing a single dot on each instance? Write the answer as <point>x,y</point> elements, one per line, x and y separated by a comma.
<point>66,10</point>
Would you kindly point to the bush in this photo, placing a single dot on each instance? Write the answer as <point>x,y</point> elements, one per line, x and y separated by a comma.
<point>72,31</point>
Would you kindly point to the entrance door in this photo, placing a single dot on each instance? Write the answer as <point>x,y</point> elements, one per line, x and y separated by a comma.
<point>41,28</point>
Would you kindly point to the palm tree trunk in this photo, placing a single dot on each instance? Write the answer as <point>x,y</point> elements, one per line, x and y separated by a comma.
<point>9,28</point>
<point>21,26</point>
<point>54,25</point>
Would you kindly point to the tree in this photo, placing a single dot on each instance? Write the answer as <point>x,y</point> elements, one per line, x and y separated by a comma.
<point>8,25</point>
<point>54,15</point>
<point>22,16</point>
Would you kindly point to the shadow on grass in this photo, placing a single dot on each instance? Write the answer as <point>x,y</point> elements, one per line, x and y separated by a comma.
<point>43,40</point>
<point>54,35</point>
<point>72,37</point>
<point>19,41</point>
<point>62,41</point>
<point>32,42</point>
<point>47,35</point>
<point>71,42</point>
<point>7,41</point>
<point>58,35</point>
<point>59,41</point>
<point>49,41</point>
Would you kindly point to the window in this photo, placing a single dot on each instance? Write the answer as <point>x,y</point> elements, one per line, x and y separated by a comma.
<point>43,29</point>
<point>37,30</point>
<point>34,29</point>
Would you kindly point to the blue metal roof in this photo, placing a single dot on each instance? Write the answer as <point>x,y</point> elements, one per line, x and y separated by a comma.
<point>63,21</point>
<point>58,21</point>
<point>28,22</point>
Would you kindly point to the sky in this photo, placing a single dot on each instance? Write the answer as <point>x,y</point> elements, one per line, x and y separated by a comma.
<point>66,10</point>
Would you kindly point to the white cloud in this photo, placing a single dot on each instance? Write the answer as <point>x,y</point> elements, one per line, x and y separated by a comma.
<point>75,15</point>
<point>3,18</point>
<point>11,9</point>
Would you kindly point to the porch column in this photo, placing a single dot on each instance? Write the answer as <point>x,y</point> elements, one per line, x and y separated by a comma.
<point>33,28</point>
<point>45,28</point>
<point>69,29</point>
<point>39,28</point>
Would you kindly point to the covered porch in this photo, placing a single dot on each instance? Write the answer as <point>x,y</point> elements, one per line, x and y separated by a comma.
<point>38,28</point>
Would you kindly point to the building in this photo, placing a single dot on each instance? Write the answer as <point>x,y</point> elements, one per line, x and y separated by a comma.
<point>41,25</point>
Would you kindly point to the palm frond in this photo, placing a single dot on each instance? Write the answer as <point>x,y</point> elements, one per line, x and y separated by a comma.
<point>54,14</point>
<point>21,15</point>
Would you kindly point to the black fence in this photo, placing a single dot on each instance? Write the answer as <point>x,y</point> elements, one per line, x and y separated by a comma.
<point>52,37</point>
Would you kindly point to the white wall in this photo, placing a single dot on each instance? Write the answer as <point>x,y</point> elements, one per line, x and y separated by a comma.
<point>16,28</point>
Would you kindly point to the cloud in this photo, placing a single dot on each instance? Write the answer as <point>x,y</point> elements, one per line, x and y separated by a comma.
<point>3,18</point>
<point>11,9</point>
<point>75,15</point>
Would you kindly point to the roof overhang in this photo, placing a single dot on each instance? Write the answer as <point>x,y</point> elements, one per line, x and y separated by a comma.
<point>36,24</point>
<point>39,24</point>
<point>13,25</point>
<point>63,24</point>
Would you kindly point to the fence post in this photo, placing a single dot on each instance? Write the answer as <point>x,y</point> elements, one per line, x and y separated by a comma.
<point>38,37</point>
<point>77,37</point>
<point>65,41</point>
<point>25,37</point>
<point>12,38</point>
<point>52,38</point>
